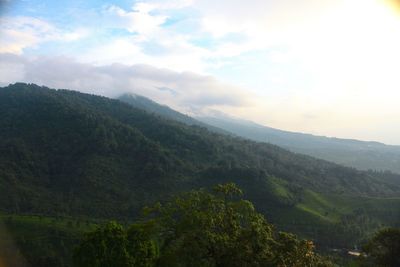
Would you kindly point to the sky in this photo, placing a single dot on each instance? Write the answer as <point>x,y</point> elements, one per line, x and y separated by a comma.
<point>323,67</point>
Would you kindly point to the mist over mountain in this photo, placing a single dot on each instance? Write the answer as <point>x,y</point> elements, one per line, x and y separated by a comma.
<point>66,154</point>
<point>181,133</point>
<point>153,107</point>
<point>362,155</point>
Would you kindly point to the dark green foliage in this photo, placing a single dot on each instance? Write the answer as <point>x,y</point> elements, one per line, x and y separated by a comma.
<point>200,229</point>
<point>103,248</point>
<point>85,147</point>
<point>383,249</point>
<point>38,240</point>
<point>58,154</point>
<point>142,244</point>
<point>68,153</point>
<point>358,154</point>
<point>113,245</point>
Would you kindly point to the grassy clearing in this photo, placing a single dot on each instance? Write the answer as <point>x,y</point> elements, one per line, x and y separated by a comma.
<point>334,207</point>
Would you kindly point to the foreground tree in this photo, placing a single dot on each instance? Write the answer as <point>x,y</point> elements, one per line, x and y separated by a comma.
<point>291,251</point>
<point>198,229</point>
<point>384,249</point>
<point>221,229</point>
<point>107,246</point>
<point>203,229</point>
<point>142,245</point>
<point>112,246</point>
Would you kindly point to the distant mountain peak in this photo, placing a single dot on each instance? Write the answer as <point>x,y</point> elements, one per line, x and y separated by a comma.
<point>149,105</point>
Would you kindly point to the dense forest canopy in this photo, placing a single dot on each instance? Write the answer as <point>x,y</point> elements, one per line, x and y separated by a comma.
<point>199,229</point>
<point>65,153</point>
<point>362,155</point>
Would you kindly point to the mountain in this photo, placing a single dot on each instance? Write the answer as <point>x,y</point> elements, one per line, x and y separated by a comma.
<point>65,153</point>
<point>353,153</point>
<point>150,106</point>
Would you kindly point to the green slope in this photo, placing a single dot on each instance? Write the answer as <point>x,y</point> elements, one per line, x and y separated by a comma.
<point>73,154</point>
<point>354,153</point>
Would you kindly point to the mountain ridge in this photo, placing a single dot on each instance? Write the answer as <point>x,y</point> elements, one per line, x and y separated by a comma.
<point>144,103</point>
<point>68,153</point>
<point>363,155</point>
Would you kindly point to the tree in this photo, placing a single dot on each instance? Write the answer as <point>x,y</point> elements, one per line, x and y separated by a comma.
<point>141,244</point>
<point>199,229</point>
<point>291,251</point>
<point>107,246</point>
<point>384,248</point>
<point>203,229</point>
<point>112,245</point>
<point>221,229</point>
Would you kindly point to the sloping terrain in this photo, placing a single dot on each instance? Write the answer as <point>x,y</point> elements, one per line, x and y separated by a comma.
<point>353,153</point>
<point>146,104</point>
<point>68,153</point>
<point>37,240</point>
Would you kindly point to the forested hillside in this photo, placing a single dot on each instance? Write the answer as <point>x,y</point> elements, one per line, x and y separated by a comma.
<point>354,153</point>
<point>150,106</point>
<point>68,153</point>
<point>144,103</point>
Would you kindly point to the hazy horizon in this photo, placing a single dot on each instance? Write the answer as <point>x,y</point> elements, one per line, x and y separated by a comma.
<point>326,68</point>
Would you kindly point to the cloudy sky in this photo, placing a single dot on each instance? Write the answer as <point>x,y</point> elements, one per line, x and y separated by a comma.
<point>327,67</point>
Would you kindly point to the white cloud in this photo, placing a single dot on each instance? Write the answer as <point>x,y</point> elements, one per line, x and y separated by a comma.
<point>74,35</point>
<point>138,20</point>
<point>18,33</point>
<point>11,68</point>
<point>186,91</point>
<point>375,117</point>
<point>170,52</point>
<point>330,66</point>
